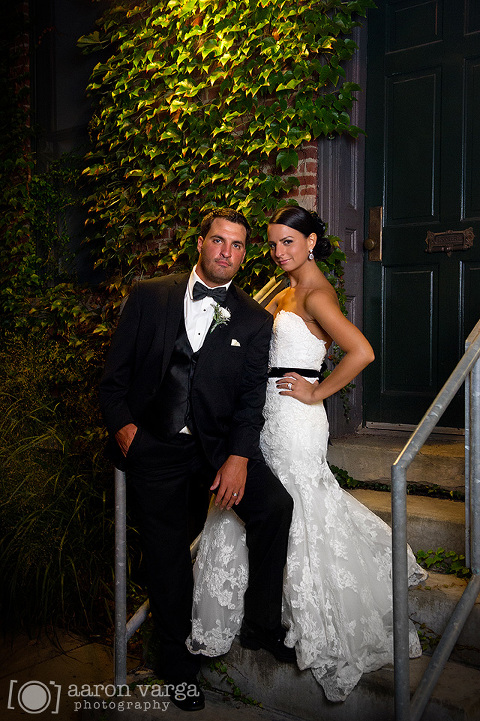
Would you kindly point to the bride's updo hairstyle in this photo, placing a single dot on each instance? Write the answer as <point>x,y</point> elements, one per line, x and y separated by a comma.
<point>306,222</point>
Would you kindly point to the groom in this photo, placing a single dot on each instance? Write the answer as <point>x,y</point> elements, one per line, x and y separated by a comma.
<point>182,396</point>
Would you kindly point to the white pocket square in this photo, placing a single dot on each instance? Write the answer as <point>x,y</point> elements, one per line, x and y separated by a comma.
<point>235,342</point>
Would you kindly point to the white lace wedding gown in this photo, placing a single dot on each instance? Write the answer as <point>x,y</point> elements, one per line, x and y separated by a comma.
<point>337,595</point>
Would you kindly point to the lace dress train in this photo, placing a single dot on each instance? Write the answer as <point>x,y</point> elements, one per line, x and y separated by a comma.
<point>337,593</point>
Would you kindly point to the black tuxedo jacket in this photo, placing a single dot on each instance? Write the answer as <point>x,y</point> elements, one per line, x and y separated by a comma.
<point>228,387</point>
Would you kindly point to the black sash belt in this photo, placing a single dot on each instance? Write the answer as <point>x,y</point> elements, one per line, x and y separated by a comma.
<point>307,372</point>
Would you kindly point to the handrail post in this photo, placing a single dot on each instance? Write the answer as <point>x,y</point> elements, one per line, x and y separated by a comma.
<point>400,594</point>
<point>474,463</point>
<point>469,365</point>
<point>468,467</point>
<point>120,648</point>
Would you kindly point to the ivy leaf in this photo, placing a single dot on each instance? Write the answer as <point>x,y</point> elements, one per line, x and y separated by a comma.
<point>206,103</point>
<point>286,159</point>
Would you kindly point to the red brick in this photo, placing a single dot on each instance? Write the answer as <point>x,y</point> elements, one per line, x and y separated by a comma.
<point>307,179</point>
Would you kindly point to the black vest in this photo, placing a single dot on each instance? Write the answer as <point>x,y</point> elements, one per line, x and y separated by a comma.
<point>170,411</point>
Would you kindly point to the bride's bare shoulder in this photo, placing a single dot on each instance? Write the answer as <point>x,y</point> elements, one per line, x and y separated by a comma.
<point>320,296</point>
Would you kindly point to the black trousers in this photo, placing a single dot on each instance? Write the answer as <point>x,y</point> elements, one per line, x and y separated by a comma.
<point>163,477</point>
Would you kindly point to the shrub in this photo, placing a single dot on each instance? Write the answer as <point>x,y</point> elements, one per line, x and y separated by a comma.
<point>56,504</point>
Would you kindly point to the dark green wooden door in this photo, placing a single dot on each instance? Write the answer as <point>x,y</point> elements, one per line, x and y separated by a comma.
<point>423,167</point>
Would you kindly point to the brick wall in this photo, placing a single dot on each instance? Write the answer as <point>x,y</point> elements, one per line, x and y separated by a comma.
<point>307,192</point>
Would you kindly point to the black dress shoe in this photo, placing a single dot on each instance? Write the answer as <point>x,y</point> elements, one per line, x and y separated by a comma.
<point>272,641</point>
<point>186,695</point>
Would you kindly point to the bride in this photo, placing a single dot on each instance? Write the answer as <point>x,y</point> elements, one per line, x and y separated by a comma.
<point>337,593</point>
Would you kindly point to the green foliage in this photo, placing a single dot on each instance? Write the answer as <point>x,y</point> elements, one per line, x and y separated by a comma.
<point>37,286</point>
<point>35,262</point>
<point>444,562</point>
<point>56,505</point>
<point>55,498</point>
<point>16,248</point>
<point>206,104</point>
<point>222,669</point>
<point>52,194</point>
<point>345,480</point>
<point>429,640</point>
<point>198,105</point>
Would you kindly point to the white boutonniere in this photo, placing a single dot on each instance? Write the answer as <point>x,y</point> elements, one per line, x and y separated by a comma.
<point>221,316</point>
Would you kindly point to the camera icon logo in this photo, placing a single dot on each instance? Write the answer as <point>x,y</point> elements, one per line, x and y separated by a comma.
<point>34,696</point>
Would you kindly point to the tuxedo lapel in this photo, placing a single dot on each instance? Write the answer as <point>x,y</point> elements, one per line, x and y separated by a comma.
<point>174,313</point>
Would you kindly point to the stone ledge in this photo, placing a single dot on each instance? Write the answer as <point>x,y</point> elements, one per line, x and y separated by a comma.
<point>370,457</point>
<point>282,687</point>
<point>431,522</point>
<point>432,604</point>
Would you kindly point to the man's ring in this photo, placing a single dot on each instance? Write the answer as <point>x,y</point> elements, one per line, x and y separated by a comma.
<point>234,494</point>
<point>289,386</point>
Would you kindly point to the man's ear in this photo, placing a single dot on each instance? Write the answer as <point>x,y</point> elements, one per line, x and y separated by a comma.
<point>199,243</point>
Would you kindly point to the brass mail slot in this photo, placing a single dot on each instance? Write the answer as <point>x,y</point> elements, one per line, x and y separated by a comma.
<point>449,240</point>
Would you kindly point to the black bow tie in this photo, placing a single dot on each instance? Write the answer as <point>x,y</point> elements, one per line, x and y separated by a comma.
<point>201,291</point>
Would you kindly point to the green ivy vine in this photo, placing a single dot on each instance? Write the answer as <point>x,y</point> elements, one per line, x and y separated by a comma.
<point>205,104</point>
<point>197,104</point>
<point>18,266</point>
<point>443,561</point>
<point>37,286</point>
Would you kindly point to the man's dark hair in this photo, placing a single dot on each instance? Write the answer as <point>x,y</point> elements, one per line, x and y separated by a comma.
<point>228,214</point>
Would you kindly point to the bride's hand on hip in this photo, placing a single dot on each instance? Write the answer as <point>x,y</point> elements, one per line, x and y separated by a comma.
<point>295,386</point>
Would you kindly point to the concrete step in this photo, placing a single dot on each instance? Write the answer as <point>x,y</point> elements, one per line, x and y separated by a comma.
<point>369,457</point>
<point>431,522</point>
<point>434,523</point>
<point>431,605</point>
<point>287,694</point>
<point>283,688</point>
<point>219,706</point>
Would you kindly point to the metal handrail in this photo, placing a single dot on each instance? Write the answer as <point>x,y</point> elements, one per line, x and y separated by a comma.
<point>124,630</point>
<point>467,371</point>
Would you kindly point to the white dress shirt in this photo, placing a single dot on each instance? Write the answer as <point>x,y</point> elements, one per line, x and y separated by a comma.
<point>198,313</point>
<point>198,317</point>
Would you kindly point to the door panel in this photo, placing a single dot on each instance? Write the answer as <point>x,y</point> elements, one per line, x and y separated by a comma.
<point>471,193</point>
<point>422,166</point>
<point>472,16</point>
<point>470,291</point>
<point>407,290</point>
<point>411,24</point>
<point>412,148</point>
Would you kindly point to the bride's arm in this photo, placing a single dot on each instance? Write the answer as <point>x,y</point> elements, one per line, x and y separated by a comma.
<point>323,307</point>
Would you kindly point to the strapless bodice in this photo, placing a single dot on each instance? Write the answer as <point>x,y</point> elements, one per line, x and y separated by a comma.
<point>293,345</point>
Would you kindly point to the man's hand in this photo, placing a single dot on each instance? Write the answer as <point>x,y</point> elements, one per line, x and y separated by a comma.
<point>230,481</point>
<point>125,436</point>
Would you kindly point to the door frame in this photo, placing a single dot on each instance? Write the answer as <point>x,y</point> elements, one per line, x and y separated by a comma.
<point>341,191</point>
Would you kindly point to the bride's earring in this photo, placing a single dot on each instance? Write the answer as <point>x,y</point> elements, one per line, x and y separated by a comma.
<point>310,255</point>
